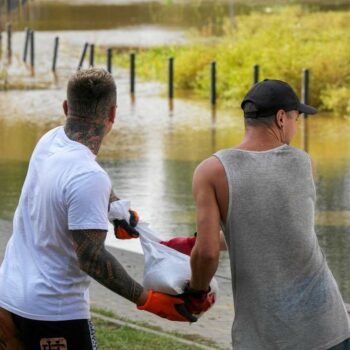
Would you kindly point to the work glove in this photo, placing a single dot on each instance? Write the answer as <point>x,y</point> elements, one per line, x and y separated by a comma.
<point>123,219</point>
<point>181,244</point>
<point>197,301</point>
<point>171,307</point>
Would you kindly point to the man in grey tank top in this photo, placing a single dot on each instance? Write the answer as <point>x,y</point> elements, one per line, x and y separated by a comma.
<point>262,195</point>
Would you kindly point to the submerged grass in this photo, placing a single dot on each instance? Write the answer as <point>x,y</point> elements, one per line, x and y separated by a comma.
<point>283,43</point>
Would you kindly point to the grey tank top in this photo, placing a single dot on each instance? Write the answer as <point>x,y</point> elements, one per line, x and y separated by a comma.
<point>285,296</point>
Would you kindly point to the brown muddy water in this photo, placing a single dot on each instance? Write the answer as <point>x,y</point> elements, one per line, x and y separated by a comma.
<point>152,152</point>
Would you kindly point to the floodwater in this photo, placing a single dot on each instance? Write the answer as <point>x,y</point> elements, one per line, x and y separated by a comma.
<point>152,152</point>
<point>207,16</point>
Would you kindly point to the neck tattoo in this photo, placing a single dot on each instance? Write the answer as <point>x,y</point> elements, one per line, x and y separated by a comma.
<point>86,132</point>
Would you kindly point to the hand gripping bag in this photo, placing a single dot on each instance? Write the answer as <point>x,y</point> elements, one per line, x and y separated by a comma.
<point>166,270</point>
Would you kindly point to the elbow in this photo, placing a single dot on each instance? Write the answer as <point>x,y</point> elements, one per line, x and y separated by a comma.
<point>207,256</point>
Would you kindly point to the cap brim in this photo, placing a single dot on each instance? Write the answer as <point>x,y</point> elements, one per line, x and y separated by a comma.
<point>306,109</point>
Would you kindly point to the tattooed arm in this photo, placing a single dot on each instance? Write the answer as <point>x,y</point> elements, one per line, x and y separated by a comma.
<point>101,265</point>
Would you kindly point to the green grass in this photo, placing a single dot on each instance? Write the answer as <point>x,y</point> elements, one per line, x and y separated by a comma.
<point>283,42</point>
<point>111,336</point>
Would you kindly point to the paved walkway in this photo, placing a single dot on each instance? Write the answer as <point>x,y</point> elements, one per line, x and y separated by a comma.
<point>214,325</point>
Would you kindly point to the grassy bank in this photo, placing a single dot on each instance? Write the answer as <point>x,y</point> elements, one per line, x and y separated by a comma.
<point>111,336</point>
<point>283,42</point>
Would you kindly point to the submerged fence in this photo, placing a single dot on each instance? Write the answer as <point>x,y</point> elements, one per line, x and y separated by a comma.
<point>88,52</point>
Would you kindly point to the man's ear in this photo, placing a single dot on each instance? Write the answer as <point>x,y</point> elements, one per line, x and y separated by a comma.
<point>280,118</point>
<point>112,114</point>
<point>65,107</point>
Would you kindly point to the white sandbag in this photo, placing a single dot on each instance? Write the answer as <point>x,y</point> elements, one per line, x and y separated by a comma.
<point>166,270</point>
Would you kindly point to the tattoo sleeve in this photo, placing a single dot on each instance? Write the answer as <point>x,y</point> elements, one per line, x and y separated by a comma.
<point>101,265</point>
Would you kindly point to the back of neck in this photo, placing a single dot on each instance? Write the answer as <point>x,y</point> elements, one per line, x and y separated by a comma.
<point>260,139</point>
<point>87,133</point>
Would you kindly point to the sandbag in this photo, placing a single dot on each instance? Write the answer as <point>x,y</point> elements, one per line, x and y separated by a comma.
<point>166,270</point>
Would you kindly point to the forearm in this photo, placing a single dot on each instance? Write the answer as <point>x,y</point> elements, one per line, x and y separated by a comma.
<point>101,265</point>
<point>203,269</point>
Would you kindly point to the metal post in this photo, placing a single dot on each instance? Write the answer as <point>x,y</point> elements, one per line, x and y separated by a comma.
<point>9,42</point>
<point>109,60</point>
<point>82,57</point>
<point>256,73</point>
<point>305,99</point>
<point>8,3</point>
<point>32,52</point>
<point>213,83</point>
<point>55,54</point>
<point>132,73</point>
<point>26,41</point>
<point>171,78</point>
<point>305,91</point>
<point>92,55</point>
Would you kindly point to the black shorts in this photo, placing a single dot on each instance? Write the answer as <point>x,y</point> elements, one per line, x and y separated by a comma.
<point>56,335</point>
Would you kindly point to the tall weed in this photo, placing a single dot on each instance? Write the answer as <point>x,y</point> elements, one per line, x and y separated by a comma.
<point>283,43</point>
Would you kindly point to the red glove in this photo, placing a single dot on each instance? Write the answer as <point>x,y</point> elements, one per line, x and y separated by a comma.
<point>123,230</point>
<point>167,306</point>
<point>181,244</point>
<point>197,301</point>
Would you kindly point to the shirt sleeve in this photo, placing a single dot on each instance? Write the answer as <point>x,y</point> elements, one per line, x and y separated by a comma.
<point>87,199</point>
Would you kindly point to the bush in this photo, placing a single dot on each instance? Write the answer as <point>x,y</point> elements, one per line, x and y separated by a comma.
<point>282,42</point>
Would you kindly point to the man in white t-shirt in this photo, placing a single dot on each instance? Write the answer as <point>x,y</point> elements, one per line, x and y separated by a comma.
<point>59,229</point>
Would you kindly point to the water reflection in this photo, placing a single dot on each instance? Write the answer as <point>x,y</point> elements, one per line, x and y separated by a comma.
<point>208,15</point>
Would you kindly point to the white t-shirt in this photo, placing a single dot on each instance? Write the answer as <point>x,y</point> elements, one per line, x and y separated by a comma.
<point>65,189</point>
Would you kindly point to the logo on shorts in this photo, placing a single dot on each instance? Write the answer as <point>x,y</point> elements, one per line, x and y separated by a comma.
<point>53,344</point>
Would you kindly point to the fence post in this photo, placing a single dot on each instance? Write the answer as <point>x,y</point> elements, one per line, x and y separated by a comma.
<point>171,78</point>
<point>9,42</point>
<point>305,99</point>
<point>8,6</point>
<point>305,90</point>
<point>82,57</point>
<point>256,73</point>
<point>213,84</point>
<point>92,55</point>
<point>132,73</point>
<point>109,60</point>
<point>32,53</point>
<point>26,41</point>
<point>55,54</point>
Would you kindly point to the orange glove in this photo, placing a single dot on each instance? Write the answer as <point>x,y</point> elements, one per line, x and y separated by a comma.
<point>181,244</point>
<point>124,230</point>
<point>167,306</point>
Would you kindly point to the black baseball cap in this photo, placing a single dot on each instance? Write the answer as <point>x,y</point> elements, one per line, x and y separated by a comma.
<point>269,96</point>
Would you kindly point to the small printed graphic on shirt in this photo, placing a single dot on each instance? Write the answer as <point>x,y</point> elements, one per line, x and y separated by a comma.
<point>53,344</point>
